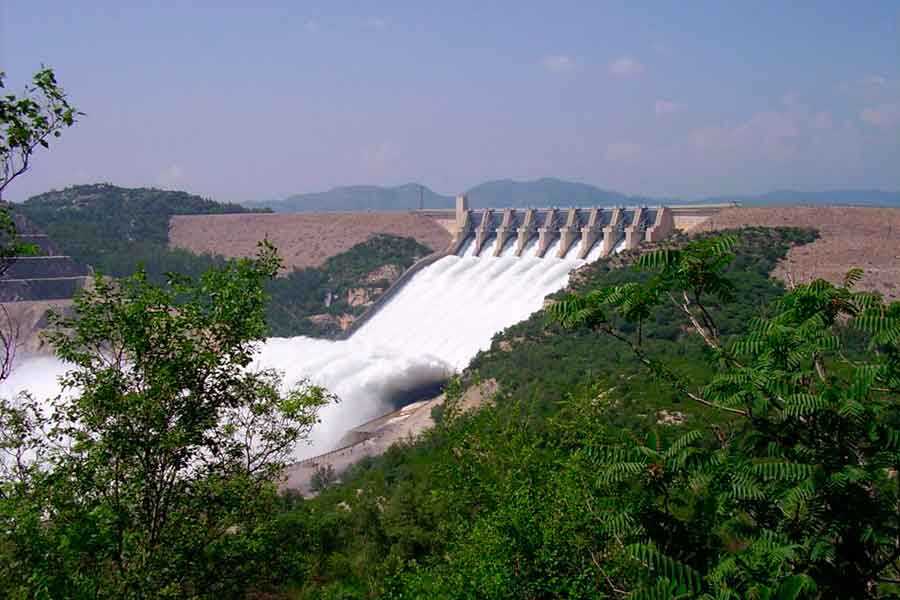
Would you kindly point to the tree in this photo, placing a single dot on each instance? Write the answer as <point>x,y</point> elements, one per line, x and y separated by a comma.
<point>156,474</point>
<point>29,121</point>
<point>26,123</point>
<point>323,477</point>
<point>796,494</point>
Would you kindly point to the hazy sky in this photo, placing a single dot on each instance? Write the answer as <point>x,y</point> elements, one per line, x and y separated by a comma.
<point>259,100</point>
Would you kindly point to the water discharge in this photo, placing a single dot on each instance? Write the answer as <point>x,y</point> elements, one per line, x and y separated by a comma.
<point>431,328</point>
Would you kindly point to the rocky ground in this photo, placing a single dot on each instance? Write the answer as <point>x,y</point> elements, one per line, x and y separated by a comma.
<point>868,238</point>
<point>376,436</point>
<point>303,240</point>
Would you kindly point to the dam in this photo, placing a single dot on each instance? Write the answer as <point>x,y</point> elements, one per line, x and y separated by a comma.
<point>577,230</point>
<point>499,267</point>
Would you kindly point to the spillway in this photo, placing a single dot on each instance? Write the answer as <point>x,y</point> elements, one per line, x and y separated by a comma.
<point>430,329</point>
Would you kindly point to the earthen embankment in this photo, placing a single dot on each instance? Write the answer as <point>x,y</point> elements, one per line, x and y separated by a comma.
<point>303,240</point>
<point>868,238</point>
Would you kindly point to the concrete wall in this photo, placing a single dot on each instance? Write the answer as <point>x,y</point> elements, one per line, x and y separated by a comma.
<point>578,229</point>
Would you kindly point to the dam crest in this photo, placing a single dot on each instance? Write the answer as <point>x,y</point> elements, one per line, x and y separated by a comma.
<point>578,230</point>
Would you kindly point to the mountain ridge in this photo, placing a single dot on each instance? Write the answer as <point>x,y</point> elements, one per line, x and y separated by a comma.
<point>544,192</point>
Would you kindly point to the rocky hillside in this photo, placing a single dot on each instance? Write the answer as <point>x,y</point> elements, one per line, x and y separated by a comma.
<point>868,238</point>
<point>324,301</point>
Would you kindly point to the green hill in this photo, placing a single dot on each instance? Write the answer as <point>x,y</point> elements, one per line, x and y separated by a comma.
<point>116,230</point>
<point>113,228</point>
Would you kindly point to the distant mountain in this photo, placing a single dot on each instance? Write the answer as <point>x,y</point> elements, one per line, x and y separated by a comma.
<point>361,198</point>
<point>543,192</point>
<point>506,193</point>
<point>501,193</point>
<point>835,197</point>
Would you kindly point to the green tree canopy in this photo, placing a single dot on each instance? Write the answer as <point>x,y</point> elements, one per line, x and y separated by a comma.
<point>155,474</point>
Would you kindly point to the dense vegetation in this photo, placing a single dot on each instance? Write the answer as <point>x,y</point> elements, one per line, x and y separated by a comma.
<point>538,362</point>
<point>779,480</point>
<point>582,491</point>
<point>303,292</point>
<point>116,230</point>
<point>158,477</point>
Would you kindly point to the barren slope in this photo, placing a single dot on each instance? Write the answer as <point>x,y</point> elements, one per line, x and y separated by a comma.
<point>868,238</point>
<point>303,240</point>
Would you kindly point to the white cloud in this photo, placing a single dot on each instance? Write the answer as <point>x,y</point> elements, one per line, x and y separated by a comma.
<point>376,23</point>
<point>883,115</point>
<point>171,175</point>
<point>558,63</point>
<point>626,66</point>
<point>766,134</point>
<point>311,26</point>
<point>663,108</point>
<point>622,152</point>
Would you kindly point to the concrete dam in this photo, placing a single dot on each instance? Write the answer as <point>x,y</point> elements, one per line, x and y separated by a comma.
<point>577,230</point>
<point>497,271</point>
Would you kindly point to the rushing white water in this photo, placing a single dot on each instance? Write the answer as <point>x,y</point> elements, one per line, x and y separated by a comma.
<point>433,327</point>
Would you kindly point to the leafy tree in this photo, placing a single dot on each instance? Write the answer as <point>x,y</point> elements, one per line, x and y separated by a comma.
<point>797,498</point>
<point>322,478</point>
<point>155,474</point>
<point>26,123</point>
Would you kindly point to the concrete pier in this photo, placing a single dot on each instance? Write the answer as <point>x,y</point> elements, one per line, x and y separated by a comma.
<point>547,232</point>
<point>463,221</point>
<point>634,231</point>
<point>568,232</point>
<point>613,232</point>
<point>526,230</point>
<point>590,232</point>
<point>663,226</point>
<point>484,230</point>
<point>507,225</point>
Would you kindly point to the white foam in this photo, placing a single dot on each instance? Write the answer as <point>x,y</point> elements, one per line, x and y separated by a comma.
<point>431,328</point>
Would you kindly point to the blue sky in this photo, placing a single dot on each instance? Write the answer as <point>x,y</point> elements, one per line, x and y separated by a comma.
<point>241,101</point>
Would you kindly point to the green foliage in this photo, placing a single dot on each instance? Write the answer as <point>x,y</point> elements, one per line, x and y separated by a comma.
<point>119,230</point>
<point>116,229</point>
<point>322,478</point>
<point>794,496</point>
<point>26,123</point>
<point>155,474</point>
<point>29,121</point>
<point>302,293</point>
<point>546,362</point>
<point>805,490</point>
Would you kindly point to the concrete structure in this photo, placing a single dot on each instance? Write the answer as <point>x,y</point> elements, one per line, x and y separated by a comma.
<point>526,230</point>
<point>583,227</point>
<point>49,275</point>
<point>577,229</point>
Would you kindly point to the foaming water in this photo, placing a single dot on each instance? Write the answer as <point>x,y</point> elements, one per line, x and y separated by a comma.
<point>431,328</point>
